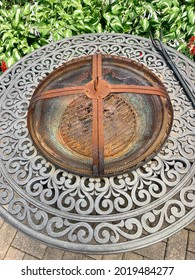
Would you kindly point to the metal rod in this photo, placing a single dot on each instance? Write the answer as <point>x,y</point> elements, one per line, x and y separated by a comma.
<point>159,47</point>
<point>57,93</point>
<point>139,90</point>
<point>97,126</point>
<point>95,139</point>
<point>101,136</point>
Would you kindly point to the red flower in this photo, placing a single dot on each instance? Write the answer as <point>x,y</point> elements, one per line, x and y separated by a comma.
<point>192,39</point>
<point>191,45</point>
<point>3,66</point>
<point>192,50</point>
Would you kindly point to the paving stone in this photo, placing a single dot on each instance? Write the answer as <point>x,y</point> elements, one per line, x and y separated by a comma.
<point>112,257</point>
<point>7,234</point>
<point>86,257</point>
<point>14,254</point>
<point>95,257</point>
<point>53,254</point>
<point>154,252</point>
<point>191,226</point>
<point>190,256</point>
<point>29,245</point>
<point>29,257</point>
<point>191,241</point>
<point>1,222</point>
<point>177,245</point>
<point>72,256</point>
<point>132,256</point>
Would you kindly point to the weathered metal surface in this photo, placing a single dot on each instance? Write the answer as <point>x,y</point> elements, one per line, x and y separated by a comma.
<point>93,215</point>
<point>82,125</point>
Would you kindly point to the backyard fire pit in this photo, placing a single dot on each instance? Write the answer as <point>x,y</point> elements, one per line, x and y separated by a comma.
<point>97,144</point>
<point>100,115</point>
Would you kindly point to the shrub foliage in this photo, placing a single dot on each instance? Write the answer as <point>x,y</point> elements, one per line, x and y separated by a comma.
<point>27,25</point>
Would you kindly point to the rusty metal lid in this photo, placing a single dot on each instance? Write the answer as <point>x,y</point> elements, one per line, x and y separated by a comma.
<point>100,115</point>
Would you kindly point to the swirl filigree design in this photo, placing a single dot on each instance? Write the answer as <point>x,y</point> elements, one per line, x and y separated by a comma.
<point>92,214</point>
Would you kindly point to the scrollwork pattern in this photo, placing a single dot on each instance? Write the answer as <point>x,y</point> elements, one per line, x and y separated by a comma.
<point>81,232</point>
<point>6,192</point>
<point>187,194</point>
<point>107,233</point>
<point>154,221</point>
<point>36,219</point>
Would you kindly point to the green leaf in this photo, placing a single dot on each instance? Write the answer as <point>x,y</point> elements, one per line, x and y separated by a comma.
<point>16,54</point>
<point>170,35</point>
<point>99,28</point>
<point>43,41</point>
<point>184,14</point>
<point>68,33</point>
<point>10,61</point>
<point>36,45</point>
<point>4,13</point>
<point>116,25</point>
<point>6,36</point>
<point>12,42</point>
<point>175,9</point>
<point>85,28</point>
<point>191,30</point>
<point>78,13</point>
<point>5,27</point>
<point>154,21</point>
<point>107,17</point>
<point>27,9</point>
<point>3,57</point>
<point>16,19</point>
<point>116,9</point>
<point>22,26</point>
<point>177,31</point>
<point>71,27</point>
<point>184,26</point>
<point>144,23</point>
<point>26,50</point>
<point>45,31</point>
<point>191,17</point>
<point>22,44</point>
<point>89,19</point>
<point>166,3</point>
<point>172,17</point>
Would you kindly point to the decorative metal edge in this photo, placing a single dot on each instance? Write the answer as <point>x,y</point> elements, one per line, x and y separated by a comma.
<point>109,248</point>
<point>16,210</point>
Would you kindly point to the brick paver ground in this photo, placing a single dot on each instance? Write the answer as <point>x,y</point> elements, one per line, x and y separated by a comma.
<point>14,245</point>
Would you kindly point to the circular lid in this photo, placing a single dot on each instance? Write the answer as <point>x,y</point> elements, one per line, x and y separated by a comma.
<point>100,115</point>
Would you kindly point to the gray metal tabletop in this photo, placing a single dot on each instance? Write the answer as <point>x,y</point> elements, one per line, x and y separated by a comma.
<point>93,215</point>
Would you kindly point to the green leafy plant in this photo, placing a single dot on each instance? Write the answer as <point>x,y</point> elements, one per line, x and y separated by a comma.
<point>24,28</point>
<point>17,36</point>
<point>28,25</point>
<point>176,18</point>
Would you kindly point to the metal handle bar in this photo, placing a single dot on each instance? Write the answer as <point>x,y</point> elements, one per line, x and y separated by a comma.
<point>159,47</point>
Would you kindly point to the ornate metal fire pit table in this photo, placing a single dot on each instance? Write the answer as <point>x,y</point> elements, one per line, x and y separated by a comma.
<point>126,189</point>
